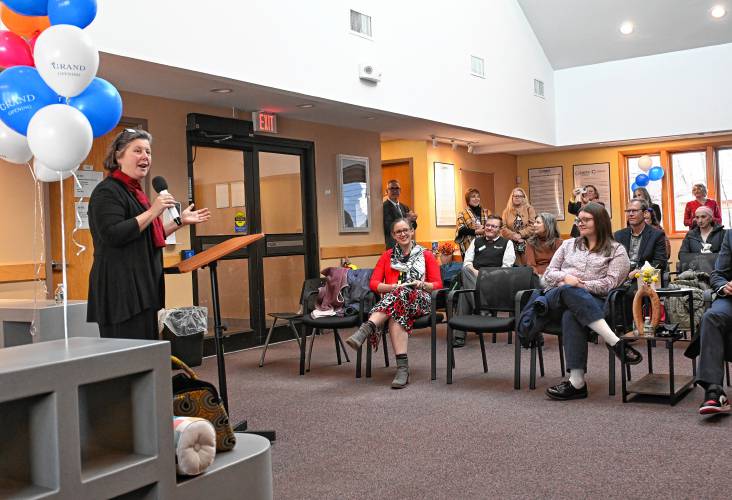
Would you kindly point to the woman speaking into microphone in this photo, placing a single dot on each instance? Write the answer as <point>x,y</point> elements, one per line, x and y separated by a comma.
<point>126,287</point>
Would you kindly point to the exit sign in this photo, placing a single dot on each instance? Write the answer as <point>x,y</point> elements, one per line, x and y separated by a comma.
<point>264,122</point>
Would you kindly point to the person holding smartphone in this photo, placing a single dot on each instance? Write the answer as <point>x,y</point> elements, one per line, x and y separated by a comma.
<point>582,196</point>
<point>404,276</point>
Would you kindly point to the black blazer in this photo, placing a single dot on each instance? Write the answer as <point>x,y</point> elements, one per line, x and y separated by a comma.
<point>127,275</point>
<point>722,273</point>
<point>392,213</point>
<point>652,246</point>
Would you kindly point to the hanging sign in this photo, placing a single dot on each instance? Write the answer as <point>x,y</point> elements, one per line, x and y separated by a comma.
<point>264,122</point>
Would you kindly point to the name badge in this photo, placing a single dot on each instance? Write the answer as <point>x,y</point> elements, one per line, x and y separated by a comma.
<point>497,247</point>
<point>481,248</point>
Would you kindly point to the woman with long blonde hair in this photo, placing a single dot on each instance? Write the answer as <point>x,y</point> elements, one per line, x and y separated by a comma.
<point>518,218</point>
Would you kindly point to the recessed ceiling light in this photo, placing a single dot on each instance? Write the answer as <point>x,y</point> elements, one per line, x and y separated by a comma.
<point>306,106</point>
<point>627,28</point>
<point>718,11</point>
<point>221,91</point>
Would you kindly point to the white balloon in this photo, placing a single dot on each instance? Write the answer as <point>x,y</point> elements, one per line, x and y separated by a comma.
<point>45,174</point>
<point>66,59</point>
<point>645,163</point>
<point>60,136</point>
<point>13,146</point>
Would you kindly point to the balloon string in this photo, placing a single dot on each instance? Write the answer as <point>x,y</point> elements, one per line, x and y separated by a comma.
<point>36,268</point>
<point>63,263</point>
<point>77,225</point>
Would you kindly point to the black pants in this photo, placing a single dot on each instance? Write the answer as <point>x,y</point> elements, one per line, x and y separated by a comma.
<point>142,326</point>
<point>715,329</point>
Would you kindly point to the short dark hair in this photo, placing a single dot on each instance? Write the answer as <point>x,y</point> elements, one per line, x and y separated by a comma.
<point>397,221</point>
<point>643,203</point>
<point>494,217</point>
<point>120,142</point>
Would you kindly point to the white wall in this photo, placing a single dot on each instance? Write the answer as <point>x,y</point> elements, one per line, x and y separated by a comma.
<point>663,95</point>
<point>423,48</point>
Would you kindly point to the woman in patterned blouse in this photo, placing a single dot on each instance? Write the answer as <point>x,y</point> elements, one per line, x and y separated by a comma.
<point>584,270</point>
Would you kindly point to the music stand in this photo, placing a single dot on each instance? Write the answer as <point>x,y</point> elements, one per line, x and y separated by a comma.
<point>210,257</point>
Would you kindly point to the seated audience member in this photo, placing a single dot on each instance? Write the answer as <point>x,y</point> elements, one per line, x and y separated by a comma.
<point>650,218</point>
<point>699,191</point>
<point>518,218</point>
<point>716,335</point>
<point>584,270</point>
<point>404,276</point>
<point>541,246</point>
<point>582,196</point>
<point>706,237</point>
<point>470,220</point>
<point>643,194</point>
<point>489,250</point>
<point>641,241</point>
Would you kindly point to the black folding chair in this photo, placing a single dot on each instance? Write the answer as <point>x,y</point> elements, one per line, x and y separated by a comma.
<point>293,319</point>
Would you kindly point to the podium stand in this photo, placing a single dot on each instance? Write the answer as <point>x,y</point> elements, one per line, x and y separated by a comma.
<point>210,258</point>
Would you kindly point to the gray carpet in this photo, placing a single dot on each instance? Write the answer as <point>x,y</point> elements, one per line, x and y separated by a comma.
<point>338,437</point>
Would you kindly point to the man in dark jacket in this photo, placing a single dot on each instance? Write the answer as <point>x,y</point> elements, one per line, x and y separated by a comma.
<point>394,210</point>
<point>716,335</point>
<point>641,241</point>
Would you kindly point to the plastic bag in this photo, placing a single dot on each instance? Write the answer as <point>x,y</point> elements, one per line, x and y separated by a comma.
<point>184,321</point>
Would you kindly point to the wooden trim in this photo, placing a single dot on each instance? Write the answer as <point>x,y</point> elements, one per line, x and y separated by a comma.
<point>351,251</point>
<point>21,271</point>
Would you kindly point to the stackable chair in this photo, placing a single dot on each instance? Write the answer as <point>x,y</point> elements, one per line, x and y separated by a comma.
<point>427,321</point>
<point>495,293</point>
<point>293,319</point>
<point>315,326</point>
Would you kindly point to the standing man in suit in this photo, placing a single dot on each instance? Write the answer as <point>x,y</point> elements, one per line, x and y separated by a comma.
<point>394,210</point>
<point>716,335</point>
<point>642,241</point>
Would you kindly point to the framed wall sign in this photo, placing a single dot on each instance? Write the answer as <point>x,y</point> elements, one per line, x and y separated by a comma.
<point>546,190</point>
<point>598,175</point>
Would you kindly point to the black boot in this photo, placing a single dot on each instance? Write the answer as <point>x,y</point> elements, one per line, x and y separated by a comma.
<point>401,379</point>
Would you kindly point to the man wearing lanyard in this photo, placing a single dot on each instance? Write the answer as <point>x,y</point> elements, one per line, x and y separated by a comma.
<point>394,210</point>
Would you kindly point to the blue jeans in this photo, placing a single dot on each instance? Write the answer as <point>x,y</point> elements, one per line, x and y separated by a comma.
<point>578,309</point>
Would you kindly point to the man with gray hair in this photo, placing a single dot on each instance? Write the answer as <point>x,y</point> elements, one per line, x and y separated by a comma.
<point>641,241</point>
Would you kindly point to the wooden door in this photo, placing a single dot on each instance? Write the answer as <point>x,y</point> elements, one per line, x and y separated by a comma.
<point>483,182</point>
<point>78,266</point>
<point>400,170</point>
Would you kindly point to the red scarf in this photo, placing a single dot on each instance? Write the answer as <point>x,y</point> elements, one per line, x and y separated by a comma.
<point>133,186</point>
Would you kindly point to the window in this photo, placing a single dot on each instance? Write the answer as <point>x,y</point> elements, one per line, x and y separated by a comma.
<point>360,24</point>
<point>724,162</point>
<point>477,66</point>
<point>655,188</point>
<point>687,169</point>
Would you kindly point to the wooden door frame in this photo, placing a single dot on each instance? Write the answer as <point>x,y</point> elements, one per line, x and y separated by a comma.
<point>409,160</point>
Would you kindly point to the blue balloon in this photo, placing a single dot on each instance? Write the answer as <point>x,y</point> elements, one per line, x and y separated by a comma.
<point>101,104</point>
<point>642,180</point>
<point>77,12</point>
<point>633,187</point>
<point>22,93</point>
<point>28,7</point>
<point>655,174</point>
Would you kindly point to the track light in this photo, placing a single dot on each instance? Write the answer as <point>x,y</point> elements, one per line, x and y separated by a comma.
<point>454,144</point>
<point>470,148</point>
<point>434,141</point>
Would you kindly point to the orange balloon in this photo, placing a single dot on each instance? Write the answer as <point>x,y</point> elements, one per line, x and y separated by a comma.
<point>26,26</point>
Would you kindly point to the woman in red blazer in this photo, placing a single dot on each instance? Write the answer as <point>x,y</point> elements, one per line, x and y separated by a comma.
<point>404,276</point>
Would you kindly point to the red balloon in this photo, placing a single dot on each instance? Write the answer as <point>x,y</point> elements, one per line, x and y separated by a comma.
<point>14,51</point>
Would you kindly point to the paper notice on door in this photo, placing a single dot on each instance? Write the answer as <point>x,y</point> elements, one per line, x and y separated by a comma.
<point>82,214</point>
<point>222,196</point>
<point>237,194</point>
<point>88,180</point>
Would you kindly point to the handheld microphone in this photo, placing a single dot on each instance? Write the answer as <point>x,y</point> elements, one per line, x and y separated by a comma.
<point>161,187</point>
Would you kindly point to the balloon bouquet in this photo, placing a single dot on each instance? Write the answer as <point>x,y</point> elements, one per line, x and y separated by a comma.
<point>651,173</point>
<point>52,105</point>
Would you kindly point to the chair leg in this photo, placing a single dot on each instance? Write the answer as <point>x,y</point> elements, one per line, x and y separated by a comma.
<point>517,365</point>
<point>532,367</point>
<point>560,343</point>
<point>337,345</point>
<point>307,331</point>
<point>493,339</point>
<point>611,373</point>
<point>726,366</point>
<point>359,353</point>
<point>386,349</point>
<point>510,338</point>
<point>266,343</point>
<point>450,356</point>
<point>540,348</point>
<point>433,352</point>
<point>343,346</point>
<point>369,353</point>
<point>294,330</point>
<point>316,332</point>
<point>482,351</point>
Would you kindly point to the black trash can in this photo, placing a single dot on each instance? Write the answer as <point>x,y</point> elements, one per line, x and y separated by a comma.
<point>184,328</point>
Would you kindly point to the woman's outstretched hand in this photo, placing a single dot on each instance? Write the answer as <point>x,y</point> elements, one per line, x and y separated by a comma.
<point>190,216</point>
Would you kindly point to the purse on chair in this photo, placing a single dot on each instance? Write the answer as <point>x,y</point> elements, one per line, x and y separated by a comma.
<point>193,397</point>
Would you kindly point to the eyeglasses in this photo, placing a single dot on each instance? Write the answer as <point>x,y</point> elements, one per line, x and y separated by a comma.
<point>633,210</point>
<point>395,189</point>
<point>583,220</point>
<point>492,226</point>
<point>401,231</point>
<point>519,196</point>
